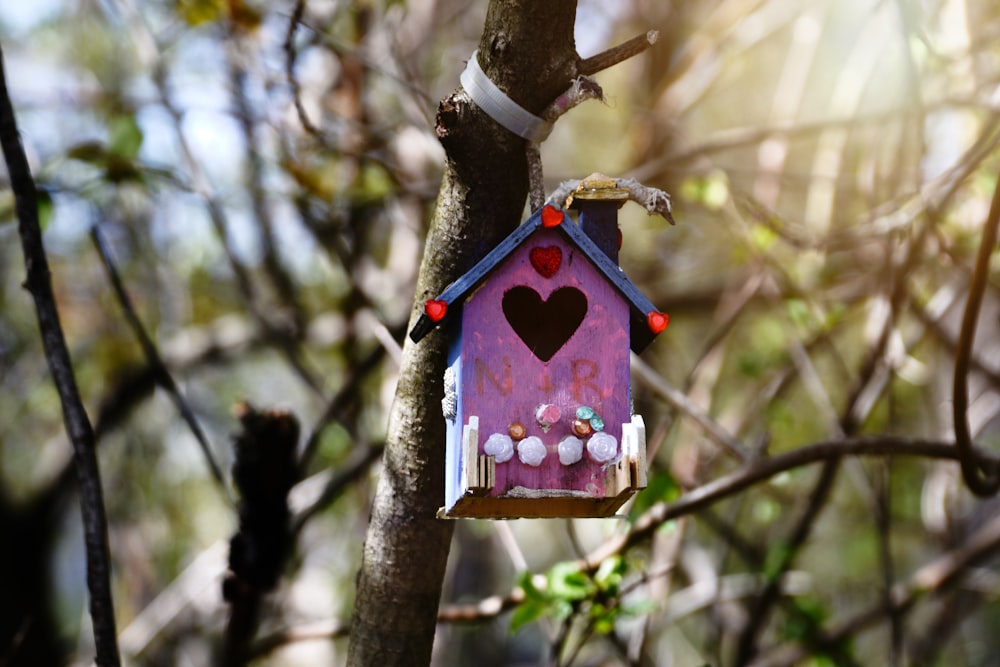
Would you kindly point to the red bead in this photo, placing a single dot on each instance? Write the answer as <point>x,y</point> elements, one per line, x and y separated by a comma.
<point>435,309</point>
<point>657,321</point>
<point>551,216</point>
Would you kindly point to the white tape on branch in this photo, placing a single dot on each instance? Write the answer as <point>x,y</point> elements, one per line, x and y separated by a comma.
<point>499,107</point>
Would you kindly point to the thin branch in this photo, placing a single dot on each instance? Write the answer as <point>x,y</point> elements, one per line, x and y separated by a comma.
<point>347,393</point>
<point>653,200</point>
<point>255,176</point>
<point>759,611</point>
<point>939,574</point>
<point>935,574</point>
<point>359,461</point>
<point>318,631</point>
<point>327,630</point>
<point>291,55</point>
<point>982,478</point>
<point>763,469</point>
<point>78,426</point>
<point>682,403</point>
<point>159,370</point>
<point>216,213</point>
<point>617,54</point>
<point>582,89</point>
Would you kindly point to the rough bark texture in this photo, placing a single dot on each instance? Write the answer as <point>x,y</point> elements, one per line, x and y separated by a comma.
<point>527,49</point>
<point>75,419</point>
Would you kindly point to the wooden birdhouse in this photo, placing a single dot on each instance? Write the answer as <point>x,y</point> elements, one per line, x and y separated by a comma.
<point>537,391</point>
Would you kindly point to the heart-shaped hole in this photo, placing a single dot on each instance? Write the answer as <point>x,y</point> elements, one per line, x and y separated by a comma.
<point>544,326</point>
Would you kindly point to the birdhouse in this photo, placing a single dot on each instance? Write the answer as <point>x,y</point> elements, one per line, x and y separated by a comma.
<point>537,391</point>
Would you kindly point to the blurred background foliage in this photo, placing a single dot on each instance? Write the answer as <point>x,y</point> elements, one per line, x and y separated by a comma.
<point>262,175</point>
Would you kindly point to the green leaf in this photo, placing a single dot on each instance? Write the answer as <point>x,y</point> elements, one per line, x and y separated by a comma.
<point>710,190</point>
<point>536,604</point>
<point>46,208</point>
<point>604,618</point>
<point>527,584</point>
<point>762,237</point>
<point>196,12</point>
<point>609,575</point>
<point>125,137</point>
<point>93,152</point>
<point>640,608</point>
<point>528,611</point>
<point>798,312</point>
<point>776,560</point>
<point>661,486</point>
<point>567,582</point>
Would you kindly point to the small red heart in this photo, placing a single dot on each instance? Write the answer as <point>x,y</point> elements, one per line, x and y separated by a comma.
<point>435,309</point>
<point>546,260</point>
<point>657,321</point>
<point>551,216</point>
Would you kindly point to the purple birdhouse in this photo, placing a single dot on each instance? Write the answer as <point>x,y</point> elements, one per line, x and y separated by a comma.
<point>537,391</point>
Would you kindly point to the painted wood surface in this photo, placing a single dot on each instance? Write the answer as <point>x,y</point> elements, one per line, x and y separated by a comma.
<point>538,422</point>
<point>505,382</point>
<point>446,305</point>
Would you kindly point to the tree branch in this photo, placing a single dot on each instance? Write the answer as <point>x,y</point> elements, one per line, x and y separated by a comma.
<point>527,50</point>
<point>982,477</point>
<point>78,426</point>
<point>155,363</point>
<point>762,469</point>
<point>617,54</point>
<point>937,575</point>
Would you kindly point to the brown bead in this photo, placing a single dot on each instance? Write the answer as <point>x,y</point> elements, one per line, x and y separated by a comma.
<point>517,431</point>
<point>582,427</point>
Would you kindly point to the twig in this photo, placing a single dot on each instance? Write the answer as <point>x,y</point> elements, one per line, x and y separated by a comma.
<point>933,577</point>
<point>78,426</point>
<point>983,479</point>
<point>762,469</point>
<point>274,268</point>
<point>582,89</point>
<point>929,577</point>
<point>682,403</point>
<point>291,55</point>
<point>759,613</point>
<point>347,393</point>
<point>359,461</point>
<point>617,54</point>
<point>159,370</point>
<point>320,630</point>
<point>653,200</point>
<point>476,612</point>
<point>853,416</point>
<point>244,282</point>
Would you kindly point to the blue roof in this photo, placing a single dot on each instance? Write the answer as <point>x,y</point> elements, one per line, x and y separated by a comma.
<point>639,306</point>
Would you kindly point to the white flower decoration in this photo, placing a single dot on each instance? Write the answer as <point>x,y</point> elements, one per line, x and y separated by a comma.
<point>570,450</point>
<point>449,404</point>
<point>602,447</point>
<point>531,451</point>
<point>500,446</point>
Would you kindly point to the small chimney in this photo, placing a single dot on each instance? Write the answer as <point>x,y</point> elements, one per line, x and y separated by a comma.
<point>598,199</point>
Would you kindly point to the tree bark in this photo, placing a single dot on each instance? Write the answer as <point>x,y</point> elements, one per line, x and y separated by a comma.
<point>527,49</point>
